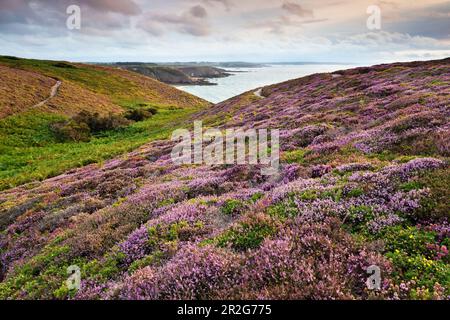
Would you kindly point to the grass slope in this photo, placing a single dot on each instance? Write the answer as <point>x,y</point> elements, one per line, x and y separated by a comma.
<point>28,149</point>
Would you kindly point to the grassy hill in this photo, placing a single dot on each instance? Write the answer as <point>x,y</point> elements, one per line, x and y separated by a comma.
<point>363,181</point>
<point>28,149</point>
<point>118,87</point>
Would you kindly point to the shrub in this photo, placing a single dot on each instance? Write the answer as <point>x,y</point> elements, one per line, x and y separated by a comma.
<point>71,131</point>
<point>194,273</point>
<point>295,156</point>
<point>64,65</point>
<point>232,207</point>
<point>98,123</point>
<point>415,258</point>
<point>357,192</point>
<point>248,234</point>
<point>437,204</point>
<point>10,58</point>
<point>140,114</point>
<point>284,209</point>
<point>80,127</point>
<point>308,261</point>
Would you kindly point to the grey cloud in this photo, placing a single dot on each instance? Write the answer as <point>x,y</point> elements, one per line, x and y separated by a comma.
<point>126,7</point>
<point>432,21</point>
<point>296,9</point>
<point>15,11</point>
<point>198,12</point>
<point>280,24</point>
<point>191,22</point>
<point>98,16</point>
<point>226,3</point>
<point>274,26</point>
<point>382,39</point>
<point>295,17</point>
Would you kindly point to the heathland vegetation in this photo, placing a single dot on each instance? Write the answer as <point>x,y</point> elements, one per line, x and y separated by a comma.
<point>363,181</point>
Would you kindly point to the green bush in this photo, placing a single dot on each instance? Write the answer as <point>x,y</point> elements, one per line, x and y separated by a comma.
<point>80,127</point>
<point>354,193</point>
<point>71,131</point>
<point>64,65</point>
<point>140,114</point>
<point>410,239</point>
<point>232,207</point>
<point>437,204</point>
<point>410,251</point>
<point>248,234</point>
<point>98,123</point>
<point>284,209</point>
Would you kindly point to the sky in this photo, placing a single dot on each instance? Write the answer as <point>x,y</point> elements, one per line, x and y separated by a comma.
<point>227,30</point>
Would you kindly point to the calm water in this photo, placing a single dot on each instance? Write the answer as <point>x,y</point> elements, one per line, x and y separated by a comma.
<point>245,79</point>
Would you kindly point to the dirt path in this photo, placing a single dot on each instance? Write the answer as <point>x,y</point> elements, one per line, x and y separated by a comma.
<point>53,93</point>
<point>258,93</point>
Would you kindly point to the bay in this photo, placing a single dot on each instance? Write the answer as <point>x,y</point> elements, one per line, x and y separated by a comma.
<point>245,79</point>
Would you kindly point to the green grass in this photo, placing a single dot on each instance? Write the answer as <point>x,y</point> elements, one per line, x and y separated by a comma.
<point>295,156</point>
<point>30,152</point>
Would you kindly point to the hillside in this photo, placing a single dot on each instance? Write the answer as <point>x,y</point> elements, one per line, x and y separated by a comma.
<point>30,151</point>
<point>176,74</point>
<point>35,88</point>
<point>95,88</point>
<point>364,181</point>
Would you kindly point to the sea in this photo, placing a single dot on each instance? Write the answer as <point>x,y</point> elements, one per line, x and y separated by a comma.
<point>245,79</point>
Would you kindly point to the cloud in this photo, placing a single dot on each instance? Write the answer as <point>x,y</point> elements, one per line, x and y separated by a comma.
<point>383,3</point>
<point>33,16</point>
<point>125,7</point>
<point>225,29</point>
<point>192,22</point>
<point>383,39</point>
<point>296,9</point>
<point>198,11</point>
<point>276,26</point>
<point>226,3</point>
<point>429,21</point>
<point>291,17</point>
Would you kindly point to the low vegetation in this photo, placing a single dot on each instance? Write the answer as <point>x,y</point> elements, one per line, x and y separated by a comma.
<point>98,113</point>
<point>363,181</point>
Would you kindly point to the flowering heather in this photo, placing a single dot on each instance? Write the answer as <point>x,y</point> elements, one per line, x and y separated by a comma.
<point>194,273</point>
<point>352,167</point>
<point>363,181</point>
